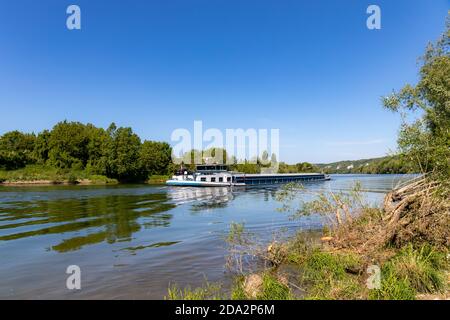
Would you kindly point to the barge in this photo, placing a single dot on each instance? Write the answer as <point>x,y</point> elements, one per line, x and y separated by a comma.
<point>220,176</point>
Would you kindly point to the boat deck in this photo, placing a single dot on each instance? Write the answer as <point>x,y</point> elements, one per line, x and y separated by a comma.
<point>274,178</point>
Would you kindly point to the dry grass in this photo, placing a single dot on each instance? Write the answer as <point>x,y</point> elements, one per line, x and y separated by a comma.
<point>413,213</point>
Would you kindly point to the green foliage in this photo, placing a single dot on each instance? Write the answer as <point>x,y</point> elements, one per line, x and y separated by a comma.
<point>36,172</point>
<point>97,149</point>
<point>116,153</point>
<point>426,141</point>
<point>247,167</point>
<point>122,156</point>
<point>221,156</point>
<point>385,165</point>
<point>155,157</point>
<point>303,167</point>
<point>339,207</point>
<point>68,145</point>
<point>215,155</point>
<point>31,173</point>
<point>16,149</point>
<point>72,179</point>
<point>157,179</point>
<point>41,147</point>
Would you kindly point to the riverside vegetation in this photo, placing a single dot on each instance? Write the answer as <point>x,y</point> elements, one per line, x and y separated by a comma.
<point>76,153</point>
<point>73,152</point>
<point>407,238</point>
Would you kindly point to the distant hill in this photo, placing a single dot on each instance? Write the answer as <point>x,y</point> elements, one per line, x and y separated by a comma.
<point>388,164</point>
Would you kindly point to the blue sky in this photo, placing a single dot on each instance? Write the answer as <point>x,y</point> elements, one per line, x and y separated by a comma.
<point>310,68</point>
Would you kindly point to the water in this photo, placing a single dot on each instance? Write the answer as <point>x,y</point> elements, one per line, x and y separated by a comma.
<point>133,241</point>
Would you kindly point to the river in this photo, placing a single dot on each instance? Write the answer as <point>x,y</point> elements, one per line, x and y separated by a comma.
<point>133,241</point>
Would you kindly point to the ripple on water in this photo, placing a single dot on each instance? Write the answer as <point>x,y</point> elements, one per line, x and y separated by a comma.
<point>133,241</point>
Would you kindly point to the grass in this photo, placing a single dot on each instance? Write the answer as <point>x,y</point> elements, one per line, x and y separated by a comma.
<point>326,275</point>
<point>340,269</point>
<point>393,287</point>
<point>35,172</point>
<point>157,179</point>
<point>411,271</point>
<point>236,233</point>
<point>271,289</point>
<point>209,291</point>
<point>423,267</point>
<point>340,276</point>
<point>237,291</point>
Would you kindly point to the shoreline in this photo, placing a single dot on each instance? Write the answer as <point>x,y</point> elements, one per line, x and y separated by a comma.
<point>31,183</point>
<point>84,182</point>
<point>156,180</point>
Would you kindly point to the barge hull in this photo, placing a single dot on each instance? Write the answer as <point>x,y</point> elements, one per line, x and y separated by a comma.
<point>253,179</point>
<point>257,179</point>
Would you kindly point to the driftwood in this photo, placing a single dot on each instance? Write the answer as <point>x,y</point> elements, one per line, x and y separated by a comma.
<point>411,213</point>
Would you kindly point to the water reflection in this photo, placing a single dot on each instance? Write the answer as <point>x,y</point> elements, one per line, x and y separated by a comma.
<point>153,245</point>
<point>132,241</point>
<point>107,218</point>
<point>202,198</point>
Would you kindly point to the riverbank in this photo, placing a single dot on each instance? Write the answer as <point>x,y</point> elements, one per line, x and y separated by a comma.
<point>39,175</point>
<point>31,183</point>
<point>133,236</point>
<point>34,175</point>
<point>397,252</point>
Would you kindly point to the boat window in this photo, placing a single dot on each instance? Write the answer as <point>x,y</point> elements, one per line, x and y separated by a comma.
<point>220,179</point>
<point>228,179</point>
<point>213,179</point>
<point>202,179</point>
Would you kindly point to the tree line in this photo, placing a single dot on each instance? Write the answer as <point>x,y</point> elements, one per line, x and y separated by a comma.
<point>116,152</point>
<point>391,164</point>
<point>254,165</point>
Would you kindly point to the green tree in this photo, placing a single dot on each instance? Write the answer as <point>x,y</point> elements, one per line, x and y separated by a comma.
<point>123,155</point>
<point>426,141</point>
<point>215,155</point>
<point>16,149</point>
<point>97,149</point>
<point>305,167</point>
<point>155,157</point>
<point>68,145</point>
<point>41,147</point>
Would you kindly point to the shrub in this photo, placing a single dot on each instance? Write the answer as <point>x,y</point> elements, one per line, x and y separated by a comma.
<point>411,271</point>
